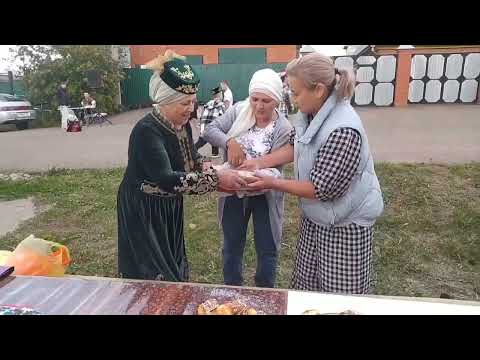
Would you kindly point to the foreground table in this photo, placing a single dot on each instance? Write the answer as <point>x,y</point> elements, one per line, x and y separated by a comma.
<point>108,296</point>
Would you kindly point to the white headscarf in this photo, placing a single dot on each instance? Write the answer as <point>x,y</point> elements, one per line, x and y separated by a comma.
<point>265,81</point>
<point>161,93</point>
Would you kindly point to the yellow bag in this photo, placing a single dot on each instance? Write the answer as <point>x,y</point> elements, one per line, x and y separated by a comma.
<point>4,254</point>
<point>35,256</point>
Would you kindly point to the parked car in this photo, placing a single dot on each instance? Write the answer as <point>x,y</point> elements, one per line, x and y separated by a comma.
<point>17,111</point>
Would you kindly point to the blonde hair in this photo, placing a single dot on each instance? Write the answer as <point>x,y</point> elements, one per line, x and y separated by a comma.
<point>316,68</point>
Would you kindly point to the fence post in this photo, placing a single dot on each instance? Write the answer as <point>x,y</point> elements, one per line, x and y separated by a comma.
<point>10,82</point>
<point>478,93</point>
<point>402,79</point>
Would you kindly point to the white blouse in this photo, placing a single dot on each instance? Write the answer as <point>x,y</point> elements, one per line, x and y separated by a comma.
<point>257,141</point>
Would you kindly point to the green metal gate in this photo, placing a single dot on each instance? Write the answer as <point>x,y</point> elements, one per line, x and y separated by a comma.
<point>135,85</point>
<point>18,88</point>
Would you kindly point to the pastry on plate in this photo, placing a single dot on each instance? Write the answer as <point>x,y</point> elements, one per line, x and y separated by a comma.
<point>211,307</point>
<point>317,312</point>
<point>207,307</point>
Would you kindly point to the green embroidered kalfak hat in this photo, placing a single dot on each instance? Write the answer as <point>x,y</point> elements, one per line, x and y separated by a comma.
<point>180,76</point>
<point>175,72</point>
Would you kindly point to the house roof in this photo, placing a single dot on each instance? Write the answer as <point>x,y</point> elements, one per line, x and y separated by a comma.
<point>357,49</point>
<point>306,49</point>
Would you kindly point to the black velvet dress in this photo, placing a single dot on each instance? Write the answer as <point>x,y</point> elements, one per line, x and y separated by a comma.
<point>162,166</point>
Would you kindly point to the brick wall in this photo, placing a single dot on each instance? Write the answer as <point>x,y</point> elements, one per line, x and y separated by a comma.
<point>402,80</point>
<point>141,54</point>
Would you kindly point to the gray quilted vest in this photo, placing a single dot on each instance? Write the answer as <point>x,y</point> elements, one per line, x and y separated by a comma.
<point>363,202</point>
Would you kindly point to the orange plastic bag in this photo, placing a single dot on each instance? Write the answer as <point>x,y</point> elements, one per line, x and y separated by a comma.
<point>35,256</point>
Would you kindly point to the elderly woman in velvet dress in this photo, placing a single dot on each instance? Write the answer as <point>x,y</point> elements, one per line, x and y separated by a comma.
<point>163,165</point>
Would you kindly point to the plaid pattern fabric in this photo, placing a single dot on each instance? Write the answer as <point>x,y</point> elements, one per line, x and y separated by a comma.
<point>336,164</point>
<point>212,110</point>
<point>282,107</point>
<point>291,137</point>
<point>334,259</point>
<point>285,106</point>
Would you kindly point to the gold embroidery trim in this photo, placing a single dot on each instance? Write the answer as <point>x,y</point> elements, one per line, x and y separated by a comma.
<point>187,74</point>
<point>187,89</point>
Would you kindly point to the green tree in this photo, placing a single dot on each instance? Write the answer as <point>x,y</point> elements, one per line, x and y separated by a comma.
<point>44,67</point>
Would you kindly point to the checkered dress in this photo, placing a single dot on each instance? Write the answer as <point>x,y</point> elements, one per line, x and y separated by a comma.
<point>334,259</point>
<point>285,105</point>
<point>212,110</point>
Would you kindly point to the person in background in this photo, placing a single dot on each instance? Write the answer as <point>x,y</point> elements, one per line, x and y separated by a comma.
<point>227,94</point>
<point>285,105</point>
<point>88,104</point>
<point>63,102</point>
<point>194,116</point>
<point>88,101</point>
<point>212,109</point>
<point>62,94</point>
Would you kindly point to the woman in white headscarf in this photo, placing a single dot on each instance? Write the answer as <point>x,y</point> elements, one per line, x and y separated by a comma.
<point>249,129</point>
<point>163,165</point>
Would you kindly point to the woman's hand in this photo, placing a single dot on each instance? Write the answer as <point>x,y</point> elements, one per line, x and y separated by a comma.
<point>250,165</point>
<point>230,180</point>
<point>263,182</point>
<point>235,154</point>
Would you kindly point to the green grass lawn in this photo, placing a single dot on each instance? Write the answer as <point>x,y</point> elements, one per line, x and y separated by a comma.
<point>426,243</point>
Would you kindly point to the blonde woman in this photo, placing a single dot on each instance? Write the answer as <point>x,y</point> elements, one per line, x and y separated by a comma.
<point>340,196</point>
